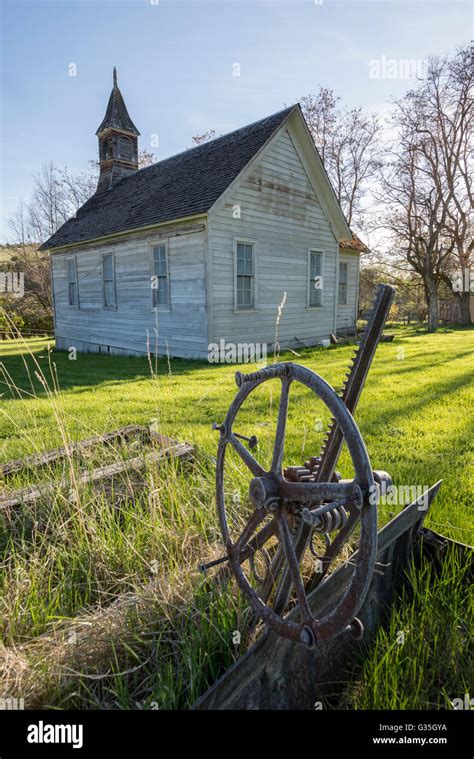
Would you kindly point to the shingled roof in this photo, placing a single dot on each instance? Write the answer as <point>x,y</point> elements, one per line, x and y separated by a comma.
<point>354,244</point>
<point>116,114</point>
<point>184,185</point>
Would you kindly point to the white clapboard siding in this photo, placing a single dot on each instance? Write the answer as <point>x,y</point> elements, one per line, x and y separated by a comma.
<point>346,314</point>
<point>280,211</point>
<point>180,330</point>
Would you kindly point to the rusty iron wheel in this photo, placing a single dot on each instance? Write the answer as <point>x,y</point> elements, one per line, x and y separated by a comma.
<point>273,495</point>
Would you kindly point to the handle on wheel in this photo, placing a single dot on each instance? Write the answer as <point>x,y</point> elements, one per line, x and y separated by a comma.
<point>275,370</point>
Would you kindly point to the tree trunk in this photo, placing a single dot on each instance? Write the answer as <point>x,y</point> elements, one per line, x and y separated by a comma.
<point>465,307</point>
<point>432,298</point>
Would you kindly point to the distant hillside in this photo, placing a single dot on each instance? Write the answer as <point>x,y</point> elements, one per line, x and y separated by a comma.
<point>34,307</point>
<point>7,252</point>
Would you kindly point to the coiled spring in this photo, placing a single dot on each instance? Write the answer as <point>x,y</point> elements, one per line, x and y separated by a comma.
<point>332,516</point>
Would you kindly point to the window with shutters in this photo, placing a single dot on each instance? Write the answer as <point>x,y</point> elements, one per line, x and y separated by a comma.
<point>245,274</point>
<point>72,287</point>
<point>316,283</point>
<point>343,277</point>
<point>108,280</point>
<point>160,279</point>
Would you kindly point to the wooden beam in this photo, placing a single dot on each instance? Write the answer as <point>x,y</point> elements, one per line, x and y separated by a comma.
<point>37,460</point>
<point>33,494</point>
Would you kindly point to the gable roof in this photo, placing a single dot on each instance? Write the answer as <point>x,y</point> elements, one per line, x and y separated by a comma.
<point>184,185</point>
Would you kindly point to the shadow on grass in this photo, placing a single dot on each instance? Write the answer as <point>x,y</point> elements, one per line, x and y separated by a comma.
<point>89,370</point>
<point>405,406</point>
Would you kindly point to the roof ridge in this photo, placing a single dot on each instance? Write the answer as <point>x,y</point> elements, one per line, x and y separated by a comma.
<point>214,140</point>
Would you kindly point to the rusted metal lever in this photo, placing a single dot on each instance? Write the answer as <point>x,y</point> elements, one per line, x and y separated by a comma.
<point>252,441</point>
<point>204,566</point>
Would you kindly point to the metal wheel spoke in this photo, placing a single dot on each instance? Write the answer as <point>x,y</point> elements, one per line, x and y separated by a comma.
<point>273,572</point>
<point>293,565</point>
<point>333,550</point>
<point>279,447</point>
<point>246,457</point>
<point>255,519</point>
<point>264,534</point>
<point>258,540</point>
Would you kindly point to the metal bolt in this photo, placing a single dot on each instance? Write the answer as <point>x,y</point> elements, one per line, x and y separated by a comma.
<point>252,441</point>
<point>358,496</point>
<point>355,629</point>
<point>307,637</point>
<point>272,504</point>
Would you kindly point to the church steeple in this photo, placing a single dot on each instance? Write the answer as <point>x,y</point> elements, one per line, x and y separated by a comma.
<point>118,141</point>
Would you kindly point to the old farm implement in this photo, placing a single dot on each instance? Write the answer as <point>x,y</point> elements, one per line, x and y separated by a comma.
<point>311,622</point>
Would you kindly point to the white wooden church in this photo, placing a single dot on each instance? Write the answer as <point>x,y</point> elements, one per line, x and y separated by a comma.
<point>202,247</point>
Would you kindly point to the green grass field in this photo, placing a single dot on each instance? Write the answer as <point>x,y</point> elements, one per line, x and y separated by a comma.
<point>123,580</point>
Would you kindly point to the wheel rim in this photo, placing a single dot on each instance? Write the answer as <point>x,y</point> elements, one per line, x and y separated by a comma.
<point>309,629</point>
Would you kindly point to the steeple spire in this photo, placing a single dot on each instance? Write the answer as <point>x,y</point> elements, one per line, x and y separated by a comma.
<point>116,114</point>
<point>118,141</point>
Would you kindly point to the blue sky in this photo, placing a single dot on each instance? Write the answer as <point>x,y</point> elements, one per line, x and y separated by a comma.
<point>175,66</point>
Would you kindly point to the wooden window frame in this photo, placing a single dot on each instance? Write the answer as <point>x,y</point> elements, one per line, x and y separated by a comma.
<point>160,306</point>
<point>72,258</point>
<point>346,283</point>
<point>114,280</point>
<point>308,277</point>
<point>253,307</point>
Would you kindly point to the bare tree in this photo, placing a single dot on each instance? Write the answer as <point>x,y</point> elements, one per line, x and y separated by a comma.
<point>35,307</point>
<point>145,158</point>
<point>428,188</point>
<point>348,141</point>
<point>76,189</point>
<point>56,196</point>
<point>19,226</point>
<point>47,210</point>
<point>198,139</point>
<point>452,85</point>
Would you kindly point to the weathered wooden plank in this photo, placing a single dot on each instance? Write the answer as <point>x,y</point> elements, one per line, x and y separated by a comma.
<point>37,460</point>
<point>33,494</point>
<point>279,674</point>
